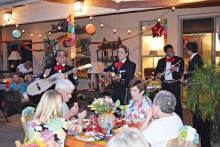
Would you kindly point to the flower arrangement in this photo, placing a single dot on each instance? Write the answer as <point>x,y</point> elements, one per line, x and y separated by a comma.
<point>34,143</point>
<point>28,111</point>
<point>105,104</point>
<point>187,133</point>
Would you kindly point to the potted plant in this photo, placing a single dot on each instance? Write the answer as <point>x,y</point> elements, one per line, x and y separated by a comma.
<point>204,95</point>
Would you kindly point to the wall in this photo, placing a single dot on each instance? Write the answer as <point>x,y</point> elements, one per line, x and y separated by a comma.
<point>127,20</point>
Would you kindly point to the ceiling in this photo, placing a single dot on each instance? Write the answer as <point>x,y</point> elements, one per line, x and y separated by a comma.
<point>22,8</point>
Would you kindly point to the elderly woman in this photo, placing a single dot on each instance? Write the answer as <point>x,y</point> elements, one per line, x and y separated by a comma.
<point>166,125</point>
<point>139,104</point>
<point>130,137</point>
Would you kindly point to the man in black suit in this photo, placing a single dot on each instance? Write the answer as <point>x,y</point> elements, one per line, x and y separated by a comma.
<point>203,127</point>
<point>122,71</point>
<point>61,67</point>
<point>170,69</point>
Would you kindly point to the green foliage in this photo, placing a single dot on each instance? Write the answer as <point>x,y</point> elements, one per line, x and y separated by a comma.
<point>204,90</point>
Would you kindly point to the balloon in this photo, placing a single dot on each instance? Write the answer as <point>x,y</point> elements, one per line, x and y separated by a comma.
<point>16,34</point>
<point>90,29</point>
<point>157,30</point>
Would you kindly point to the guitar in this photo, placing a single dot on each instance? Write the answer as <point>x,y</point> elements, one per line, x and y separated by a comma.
<point>42,85</point>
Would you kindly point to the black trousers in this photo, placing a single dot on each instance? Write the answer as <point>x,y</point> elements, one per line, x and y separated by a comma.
<point>175,89</point>
<point>203,129</point>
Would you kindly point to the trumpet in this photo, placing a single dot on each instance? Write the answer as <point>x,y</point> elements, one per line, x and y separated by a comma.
<point>176,64</point>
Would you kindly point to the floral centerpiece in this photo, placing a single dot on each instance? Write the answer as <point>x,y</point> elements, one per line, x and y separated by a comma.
<point>188,134</point>
<point>105,107</point>
<point>29,111</point>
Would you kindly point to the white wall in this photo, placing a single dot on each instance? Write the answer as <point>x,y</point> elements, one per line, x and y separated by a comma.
<point>128,20</point>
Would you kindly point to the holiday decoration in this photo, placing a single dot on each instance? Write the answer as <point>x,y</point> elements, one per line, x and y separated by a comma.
<point>60,27</point>
<point>16,34</point>
<point>157,30</point>
<point>164,23</point>
<point>218,32</point>
<point>67,42</point>
<point>71,34</point>
<point>90,29</point>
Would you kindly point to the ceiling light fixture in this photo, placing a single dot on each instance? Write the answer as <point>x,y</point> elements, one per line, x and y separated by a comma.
<point>7,16</point>
<point>78,5</point>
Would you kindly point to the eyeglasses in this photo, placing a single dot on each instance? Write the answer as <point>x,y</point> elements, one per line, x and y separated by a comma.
<point>61,56</point>
<point>67,93</point>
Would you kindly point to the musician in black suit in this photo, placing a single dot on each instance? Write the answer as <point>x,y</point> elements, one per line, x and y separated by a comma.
<point>202,127</point>
<point>170,69</point>
<point>61,67</point>
<point>122,71</point>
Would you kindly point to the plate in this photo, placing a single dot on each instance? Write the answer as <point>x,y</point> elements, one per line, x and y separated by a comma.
<point>90,136</point>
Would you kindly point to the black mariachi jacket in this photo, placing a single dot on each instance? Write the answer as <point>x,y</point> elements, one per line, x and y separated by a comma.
<point>67,68</point>
<point>161,67</point>
<point>127,71</point>
<point>195,62</point>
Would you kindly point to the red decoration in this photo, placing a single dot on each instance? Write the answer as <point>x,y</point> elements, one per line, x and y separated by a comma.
<point>170,60</point>
<point>59,67</point>
<point>67,42</point>
<point>90,29</point>
<point>118,64</point>
<point>157,30</point>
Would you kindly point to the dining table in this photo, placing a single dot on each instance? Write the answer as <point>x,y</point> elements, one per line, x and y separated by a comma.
<point>72,141</point>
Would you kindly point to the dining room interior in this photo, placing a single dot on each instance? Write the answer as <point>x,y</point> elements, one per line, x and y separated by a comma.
<point>91,31</point>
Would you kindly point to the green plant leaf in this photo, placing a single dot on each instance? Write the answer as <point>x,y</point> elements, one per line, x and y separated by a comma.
<point>117,103</point>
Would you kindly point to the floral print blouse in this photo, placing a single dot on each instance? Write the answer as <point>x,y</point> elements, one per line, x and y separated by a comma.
<point>137,113</point>
<point>54,131</point>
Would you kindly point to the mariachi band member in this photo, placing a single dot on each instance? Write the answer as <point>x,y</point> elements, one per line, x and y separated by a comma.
<point>122,71</point>
<point>170,69</point>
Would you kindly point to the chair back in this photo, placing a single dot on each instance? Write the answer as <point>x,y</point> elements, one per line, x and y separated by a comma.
<point>24,121</point>
<point>18,143</point>
<point>178,142</point>
<point>172,143</point>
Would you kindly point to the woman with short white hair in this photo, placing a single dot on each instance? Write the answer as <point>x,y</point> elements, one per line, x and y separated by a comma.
<point>166,122</point>
<point>130,137</point>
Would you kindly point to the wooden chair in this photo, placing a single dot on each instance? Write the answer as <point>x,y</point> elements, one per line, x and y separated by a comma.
<point>177,142</point>
<point>18,143</point>
<point>24,121</point>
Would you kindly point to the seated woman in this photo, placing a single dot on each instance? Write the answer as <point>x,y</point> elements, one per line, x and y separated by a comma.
<point>139,104</point>
<point>130,137</point>
<point>166,123</point>
<point>49,126</point>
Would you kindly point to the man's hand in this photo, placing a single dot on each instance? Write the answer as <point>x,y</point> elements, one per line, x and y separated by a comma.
<point>158,75</point>
<point>173,69</point>
<point>75,71</point>
<point>73,111</point>
<point>47,71</point>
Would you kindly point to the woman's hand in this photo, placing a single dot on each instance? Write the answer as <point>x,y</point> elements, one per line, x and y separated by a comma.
<point>145,123</point>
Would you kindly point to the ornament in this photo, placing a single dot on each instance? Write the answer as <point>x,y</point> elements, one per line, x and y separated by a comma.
<point>67,42</point>
<point>157,30</point>
<point>16,34</point>
<point>90,29</point>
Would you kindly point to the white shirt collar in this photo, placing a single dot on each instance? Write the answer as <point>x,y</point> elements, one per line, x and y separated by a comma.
<point>193,55</point>
<point>123,61</point>
<point>62,64</point>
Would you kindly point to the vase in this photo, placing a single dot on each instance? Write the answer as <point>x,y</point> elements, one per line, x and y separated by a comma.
<point>107,120</point>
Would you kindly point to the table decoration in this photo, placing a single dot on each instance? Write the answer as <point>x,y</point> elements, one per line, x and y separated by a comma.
<point>106,108</point>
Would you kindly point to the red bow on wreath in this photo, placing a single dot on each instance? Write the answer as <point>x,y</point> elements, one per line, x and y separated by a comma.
<point>59,67</point>
<point>118,64</point>
<point>170,60</point>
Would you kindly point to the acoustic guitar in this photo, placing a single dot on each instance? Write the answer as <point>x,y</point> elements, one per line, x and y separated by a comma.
<point>42,85</point>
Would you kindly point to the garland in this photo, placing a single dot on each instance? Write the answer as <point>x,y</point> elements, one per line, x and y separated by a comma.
<point>71,34</point>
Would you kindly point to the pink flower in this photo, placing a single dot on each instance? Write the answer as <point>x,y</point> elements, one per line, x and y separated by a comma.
<point>110,101</point>
<point>47,134</point>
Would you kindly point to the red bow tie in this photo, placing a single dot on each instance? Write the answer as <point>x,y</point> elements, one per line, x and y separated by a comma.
<point>118,64</point>
<point>59,67</point>
<point>170,60</point>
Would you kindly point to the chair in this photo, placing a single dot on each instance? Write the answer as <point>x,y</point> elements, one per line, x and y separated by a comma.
<point>13,99</point>
<point>172,143</point>
<point>177,142</point>
<point>18,143</point>
<point>2,91</point>
<point>24,121</point>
